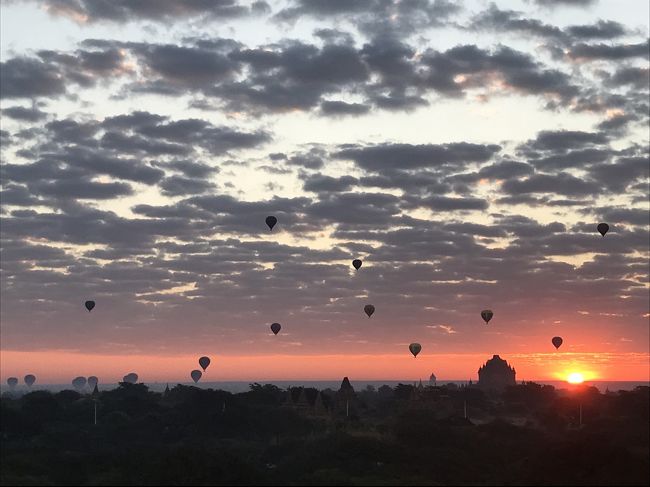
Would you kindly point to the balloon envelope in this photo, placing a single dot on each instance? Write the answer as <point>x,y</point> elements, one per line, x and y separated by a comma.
<point>79,382</point>
<point>30,379</point>
<point>89,305</point>
<point>196,375</point>
<point>369,309</point>
<point>92,381</point>
<point>275,328</point>
<point>415,348</point>
<point>487,315</point>
<point>271,221</point>
<point>204,362</point>
<point>603,228</point>
<point>356,263</point>
<point>557,341</point>
<point>12,382</point>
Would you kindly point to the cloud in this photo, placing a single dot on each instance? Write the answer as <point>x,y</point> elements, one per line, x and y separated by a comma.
<point>444,328</point>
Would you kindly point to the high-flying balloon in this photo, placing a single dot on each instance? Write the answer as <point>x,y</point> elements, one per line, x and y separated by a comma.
<point>415,349</point>
<point>89,305</point>
<point>557,341</point>
<point>271,221</point>
<point>29,379</point>
<point>131,378</point>
<point>487,315</point>
<point>79,382</point>
<point>196,375</point>
<point>204,362</point>
<point>369,309</point>
<point>12,382</point>
<point>603,228</point>
<point>92,381</point>
<point>275,328</point>
<point>356,263</point>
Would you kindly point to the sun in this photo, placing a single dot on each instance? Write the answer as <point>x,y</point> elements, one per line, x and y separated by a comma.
<point>575,378</point>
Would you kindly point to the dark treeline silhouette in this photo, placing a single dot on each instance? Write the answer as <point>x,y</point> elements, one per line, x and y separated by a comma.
<point>407,435</point>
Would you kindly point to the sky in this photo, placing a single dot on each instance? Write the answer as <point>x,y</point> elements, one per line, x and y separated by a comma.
<point>464,151</point>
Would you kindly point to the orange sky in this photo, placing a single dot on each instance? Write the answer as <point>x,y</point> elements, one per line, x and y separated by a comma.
<point>60,366</point>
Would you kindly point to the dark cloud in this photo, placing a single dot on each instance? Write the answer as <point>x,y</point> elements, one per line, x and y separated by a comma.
<point>82,189</point>
<point>24,114</point>
<point>180,186</point>
<point>167,11</point>
<point>339,108</point>
<point>589,52</point>
<point>567,3</point>
<point>600,30</point>
<point>407,156</point>
<point>325,184</point>
<point>28,78</point>
<point>443,203</point>
<point>561,183</point>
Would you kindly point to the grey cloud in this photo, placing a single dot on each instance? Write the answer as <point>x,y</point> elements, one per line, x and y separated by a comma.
<point>28,78</point>
<point>25,114</point>
<point>559,183</point>
<point>334,108</point>
<point>600,30</point>
<point>82,189</point>
<point>407,156</point>
<point>609,52</point>
<point>178,186</point>
<point>323,184</point>
<point>89,11</point>
<point>442,203</point>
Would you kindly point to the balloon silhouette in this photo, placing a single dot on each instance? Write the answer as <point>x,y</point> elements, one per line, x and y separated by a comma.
<point>196,375</point>
<point>356,263</point>
<point>275,328</point>
<point>204,362</point>
<point>29,379</point>
<point>487,315</point>
<point>92,381</point>
<point>89,305</point>
<point>415,349</point>
<point>603,228</point>
<point>557,341</point>
<point>271,221</point>
<point>369,309</point>
<point>12,382</point>
<point>79,383</point>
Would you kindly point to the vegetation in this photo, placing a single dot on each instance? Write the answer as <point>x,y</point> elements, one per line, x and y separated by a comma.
<point>530,434</point>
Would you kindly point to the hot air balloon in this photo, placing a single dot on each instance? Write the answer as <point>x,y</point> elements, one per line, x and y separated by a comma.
<point>29,379</point>
<point>557,341</point>
<point>369,309</point>
<point>275,328</point>
<point>603,228</point>
<point>131,378</point>
<point>487,315</point>
<point>89,305</point>
<point>79,383</point>
<point>271,221</point>
<point>415,349</point>
<point>92,381</point>
<point>12,382</point>
<point>204,362</point>
<point>196,375</point>
<point>356,263</point>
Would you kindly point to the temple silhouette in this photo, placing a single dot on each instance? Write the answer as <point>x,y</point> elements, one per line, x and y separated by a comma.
<point>496,375</point>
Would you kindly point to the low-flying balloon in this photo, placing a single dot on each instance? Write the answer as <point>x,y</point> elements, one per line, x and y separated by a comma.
<point>369,309</point>
<point>271,221</point>
<point>603,228</point>
<point>12,382</point>
<point>79,382</point>
<point>356,263</point>
<point>29,379</point>
<point>89,305</point>
<point>415,349</point>
<point>196,375</point>
<point>557,341</point>
<point>92,381</point>
<point>275,328</point>
<point>487,315</point>
<point>204,362</point>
